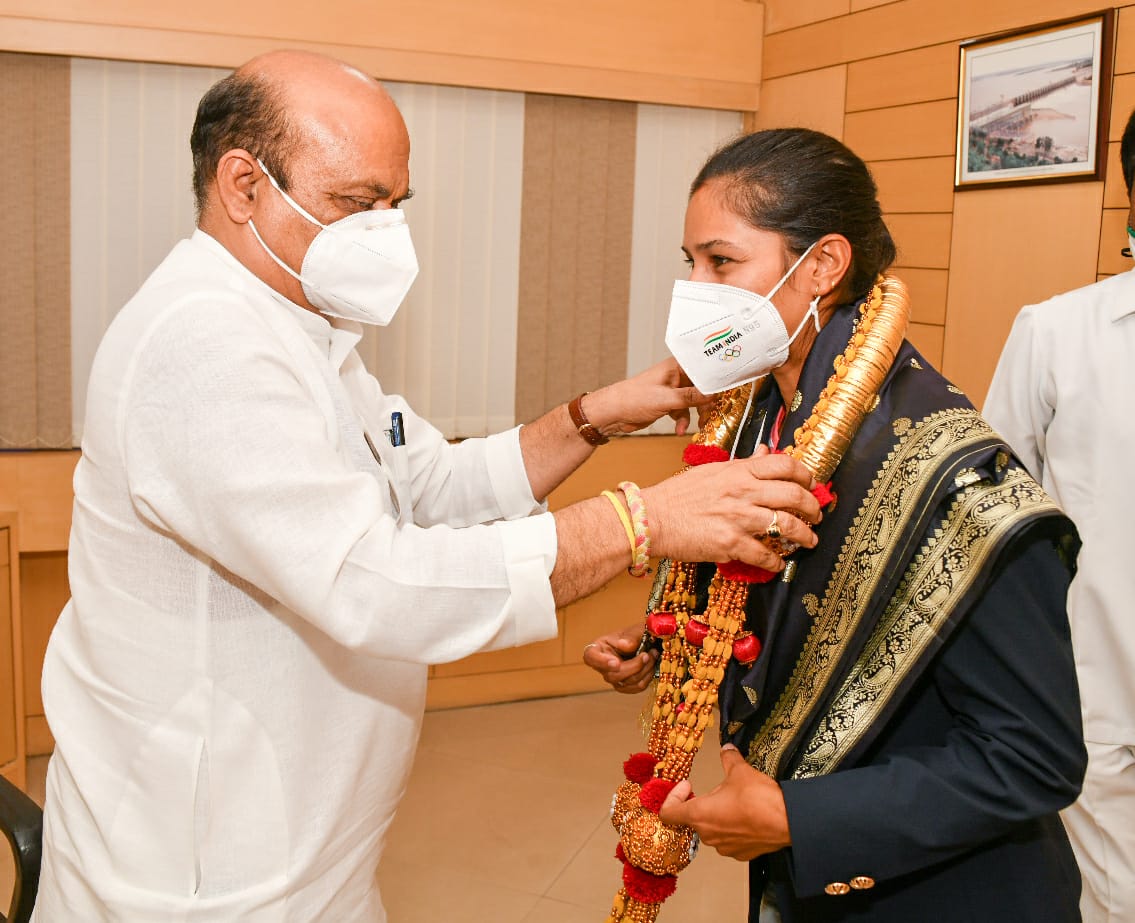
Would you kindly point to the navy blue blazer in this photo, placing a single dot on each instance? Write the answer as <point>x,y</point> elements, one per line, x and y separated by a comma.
<point>951,815</point>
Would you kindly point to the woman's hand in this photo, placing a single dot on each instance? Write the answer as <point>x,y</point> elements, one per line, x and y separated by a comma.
<point>662,390</point>
<point>744,817</point>
<point>613,657</point>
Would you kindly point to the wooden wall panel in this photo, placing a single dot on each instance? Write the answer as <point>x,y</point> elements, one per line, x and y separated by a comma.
<point>921,130</point>
<point>902,26</point>
<point>11,716</point>
<point>13,738</point>
<point>1122,104</point>
<point>44,592</point>
<point>1113,238</point>
<point>1012,247</point>
<point>916,76</point>
<point>867,4</point>
<point>1114,190</point>
<point>644,50</point>
<point>814,99</point>
<point>927,289</point>
<point>923,241</point>
<point>920,184</point>
<point>790,14</point>
<point>38,486</point>
<point>1125,41</point>
<point>927,339</point>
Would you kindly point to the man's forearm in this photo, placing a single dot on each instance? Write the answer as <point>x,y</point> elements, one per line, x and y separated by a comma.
<point>552,449</point>
<point>592,547</point>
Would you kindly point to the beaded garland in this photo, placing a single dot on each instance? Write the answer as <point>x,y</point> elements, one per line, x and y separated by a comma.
<point>695,649</point>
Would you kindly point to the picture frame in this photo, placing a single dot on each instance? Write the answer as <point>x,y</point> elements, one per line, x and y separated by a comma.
<point>1033,104</point>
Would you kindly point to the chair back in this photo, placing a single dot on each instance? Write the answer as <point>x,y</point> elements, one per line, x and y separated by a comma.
<point>21,822</point>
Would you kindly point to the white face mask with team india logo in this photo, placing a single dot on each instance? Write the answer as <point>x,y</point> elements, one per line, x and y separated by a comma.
<point>724,336</point>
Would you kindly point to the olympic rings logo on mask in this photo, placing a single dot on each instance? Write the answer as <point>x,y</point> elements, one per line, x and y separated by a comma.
<point>729,354</point>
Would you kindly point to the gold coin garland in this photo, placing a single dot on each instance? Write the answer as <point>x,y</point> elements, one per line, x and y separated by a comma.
<point>695,649</point>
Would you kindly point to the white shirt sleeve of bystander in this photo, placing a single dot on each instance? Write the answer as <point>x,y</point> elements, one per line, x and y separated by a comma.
<point>1021,401</point>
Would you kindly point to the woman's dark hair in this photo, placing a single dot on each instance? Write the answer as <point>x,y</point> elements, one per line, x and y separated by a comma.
<point>240,111</point>
<point>804,184</point>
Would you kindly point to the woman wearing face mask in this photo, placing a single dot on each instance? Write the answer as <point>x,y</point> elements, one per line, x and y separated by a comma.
<point>899,717</point>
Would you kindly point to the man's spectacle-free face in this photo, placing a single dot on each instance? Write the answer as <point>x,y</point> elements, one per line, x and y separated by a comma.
<point>351,154</point>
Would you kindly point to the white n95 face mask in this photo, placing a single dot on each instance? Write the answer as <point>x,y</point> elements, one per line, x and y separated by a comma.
<point>723,336</point>
<point>358,268</point>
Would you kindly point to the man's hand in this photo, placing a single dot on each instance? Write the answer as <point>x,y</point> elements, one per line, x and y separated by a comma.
<point>662,390</point>
<point>744,817</point>
<point>611,657</point>
<point>718,512</point>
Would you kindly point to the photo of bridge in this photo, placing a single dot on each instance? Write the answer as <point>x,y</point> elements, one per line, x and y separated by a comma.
<point>1030,103</point>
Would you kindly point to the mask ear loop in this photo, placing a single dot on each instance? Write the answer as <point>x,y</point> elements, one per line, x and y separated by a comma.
<point>279,262</point>
<point>292,202</point>
<point>744,419</point>
<point>299,208</point>
<point>788,275</point>
<point>814,309</point>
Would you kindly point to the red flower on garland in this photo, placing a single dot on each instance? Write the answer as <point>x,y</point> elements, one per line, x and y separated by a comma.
<point>745,573</point>
<point>639,767</point>
<point>823,493</point>
<point>695,454</point>
<point>647,888</point>
<point>654,793</point>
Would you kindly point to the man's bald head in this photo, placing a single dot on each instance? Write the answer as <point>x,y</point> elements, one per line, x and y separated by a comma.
<point>284,103</point>
<point>326,134</point>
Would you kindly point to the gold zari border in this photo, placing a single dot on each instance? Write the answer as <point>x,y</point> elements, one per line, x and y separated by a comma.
<point>911,471</point>
<point>939,576</point>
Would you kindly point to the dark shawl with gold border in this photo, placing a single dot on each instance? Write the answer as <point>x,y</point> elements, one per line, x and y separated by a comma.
<point>928,498</point>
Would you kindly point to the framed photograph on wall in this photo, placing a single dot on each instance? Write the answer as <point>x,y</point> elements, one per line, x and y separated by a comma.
<point>1033,104</point>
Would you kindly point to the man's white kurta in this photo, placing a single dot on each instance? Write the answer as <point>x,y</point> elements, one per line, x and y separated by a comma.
<point>1062,397</point>
<point>237,684</point>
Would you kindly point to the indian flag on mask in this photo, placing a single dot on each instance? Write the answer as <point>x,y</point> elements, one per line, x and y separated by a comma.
<point>716,337</point>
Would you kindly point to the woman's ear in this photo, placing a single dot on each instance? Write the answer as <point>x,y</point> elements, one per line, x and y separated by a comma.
<point>831,263</point>
<point>238,176</point>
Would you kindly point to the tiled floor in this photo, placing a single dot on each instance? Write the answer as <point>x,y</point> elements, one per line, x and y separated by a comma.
<point>506,819</point>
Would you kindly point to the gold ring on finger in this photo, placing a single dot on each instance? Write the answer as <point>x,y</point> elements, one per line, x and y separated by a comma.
<point>773,528</point>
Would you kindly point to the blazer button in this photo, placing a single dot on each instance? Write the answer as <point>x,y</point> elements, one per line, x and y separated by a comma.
<point>862,882</point>
<point>836,888</point>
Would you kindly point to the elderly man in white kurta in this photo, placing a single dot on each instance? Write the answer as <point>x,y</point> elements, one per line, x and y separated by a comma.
<point>261,573</point>
<point>1061,397</point>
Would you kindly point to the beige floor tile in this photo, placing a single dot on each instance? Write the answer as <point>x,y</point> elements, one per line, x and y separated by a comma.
<point>511,828</point>
<point>459,728</point>
<point>418,894</point>
<point>540,776</point>
<point>589,744</point>
<point>550,911</point>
